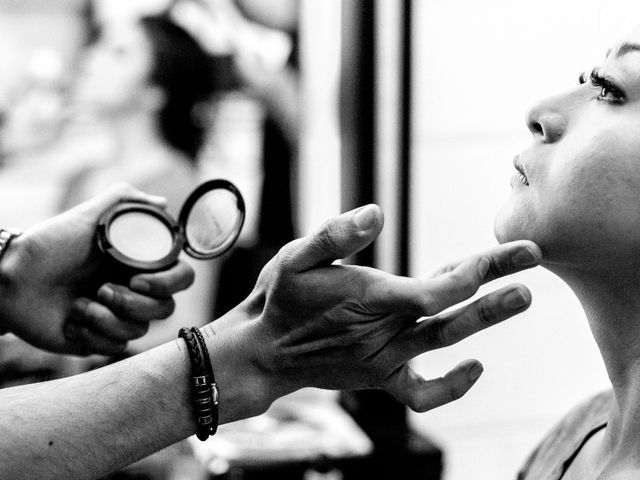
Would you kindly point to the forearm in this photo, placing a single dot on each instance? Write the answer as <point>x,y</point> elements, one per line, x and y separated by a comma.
<point>91,424</point>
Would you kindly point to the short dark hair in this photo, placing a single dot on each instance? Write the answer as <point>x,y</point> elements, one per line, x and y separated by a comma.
<point>184,71</point>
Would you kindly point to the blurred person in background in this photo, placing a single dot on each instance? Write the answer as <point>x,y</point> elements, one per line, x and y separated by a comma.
<point>146,83</point>
<point>261,42</point>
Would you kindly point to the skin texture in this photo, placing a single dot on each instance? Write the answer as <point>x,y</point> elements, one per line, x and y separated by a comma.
<point>582,207</point>
<point>308,322</point>
<point>583,175</point>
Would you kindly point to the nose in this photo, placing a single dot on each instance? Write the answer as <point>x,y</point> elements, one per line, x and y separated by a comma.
<point>546,124</point>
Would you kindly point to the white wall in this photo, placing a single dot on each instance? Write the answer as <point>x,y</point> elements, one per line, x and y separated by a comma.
<point>478,66</point>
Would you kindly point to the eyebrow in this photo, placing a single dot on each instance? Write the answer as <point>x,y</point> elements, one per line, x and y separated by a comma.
<point>624,48</point>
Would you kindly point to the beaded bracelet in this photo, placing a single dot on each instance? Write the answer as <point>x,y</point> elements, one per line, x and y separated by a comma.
<point>203,386</point>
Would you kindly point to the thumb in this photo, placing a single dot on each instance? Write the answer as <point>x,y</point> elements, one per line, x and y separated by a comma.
<point>121,192</point>
<point>338,238</point>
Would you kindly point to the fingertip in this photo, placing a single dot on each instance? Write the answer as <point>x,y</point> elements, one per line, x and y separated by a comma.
<point>165,283</point>
<point>475,372</point>
<point>527,255</point>
<point>472,369</point>
<point>125,192</point>
<point>517,297</point>
<point>139,284</point>
<point>155,200</point>
<point>368,217</point>
<point>534,247</point>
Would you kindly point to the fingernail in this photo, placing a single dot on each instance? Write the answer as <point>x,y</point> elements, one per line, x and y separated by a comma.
<point>525,258</point>
<point>475,372</point>
<point>515,299</point>
<point>106,292</point>
<point>483,267</point>
<point>140,285</point>
<point>366,217</point>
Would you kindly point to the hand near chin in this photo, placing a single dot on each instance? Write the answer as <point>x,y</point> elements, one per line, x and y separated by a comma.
<point>57,292</point>
<point>350,327</point>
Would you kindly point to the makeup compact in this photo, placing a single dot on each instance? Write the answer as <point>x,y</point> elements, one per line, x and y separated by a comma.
<point>143,237</point>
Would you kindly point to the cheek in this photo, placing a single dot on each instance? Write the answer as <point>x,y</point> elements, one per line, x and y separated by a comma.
<point>592,198</point>
<point>585,200</point>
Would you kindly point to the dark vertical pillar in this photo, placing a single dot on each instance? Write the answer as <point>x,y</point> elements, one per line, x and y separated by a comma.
<point>405,139</point>
<point>397,451</point>
<point>357,108</point>
<point>358,128</point>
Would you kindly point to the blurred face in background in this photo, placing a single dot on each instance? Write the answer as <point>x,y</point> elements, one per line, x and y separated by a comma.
<point>114,74</point>
<point>577,187</point>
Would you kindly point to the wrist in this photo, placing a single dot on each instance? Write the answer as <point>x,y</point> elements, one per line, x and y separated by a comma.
<point>245,387</point>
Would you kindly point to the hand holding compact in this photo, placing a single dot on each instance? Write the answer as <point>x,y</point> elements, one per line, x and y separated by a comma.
<point>57,292</point>
<point>312,317</point>
<point>142,237</point>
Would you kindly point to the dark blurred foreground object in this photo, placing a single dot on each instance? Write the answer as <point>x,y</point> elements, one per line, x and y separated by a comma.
<point>307,435</point>
<point>417,458</point>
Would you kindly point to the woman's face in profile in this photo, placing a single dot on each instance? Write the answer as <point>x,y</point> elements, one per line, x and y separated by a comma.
<point>578,191</point>
<point>115,70</point>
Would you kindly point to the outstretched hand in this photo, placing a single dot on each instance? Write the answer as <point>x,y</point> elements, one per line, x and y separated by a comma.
<point>57,290</point>
<point>315,323</point>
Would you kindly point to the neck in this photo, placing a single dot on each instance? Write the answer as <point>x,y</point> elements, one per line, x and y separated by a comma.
<point>611,301</point>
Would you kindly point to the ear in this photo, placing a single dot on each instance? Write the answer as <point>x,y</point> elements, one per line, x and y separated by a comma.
<point>153,98</point>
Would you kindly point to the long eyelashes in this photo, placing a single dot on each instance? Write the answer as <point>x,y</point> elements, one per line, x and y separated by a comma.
<point>596,78</point>
<point>609,90</point>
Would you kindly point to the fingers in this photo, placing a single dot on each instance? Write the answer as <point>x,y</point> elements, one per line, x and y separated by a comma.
<point>426,297</point>
<point>86,341</point>
<point>338,238</point>
<point>102,320</point>
<point>455,282</point>
<point>451,327</point>
<point>504,259</point>
<point>120,313</point>
<point>133,306</point>
<point>163,284</point>
<point>421,395</point>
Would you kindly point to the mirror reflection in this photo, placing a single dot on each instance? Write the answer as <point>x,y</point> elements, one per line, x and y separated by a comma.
<point>214,222</point>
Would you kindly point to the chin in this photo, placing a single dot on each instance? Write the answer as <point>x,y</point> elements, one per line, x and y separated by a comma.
<point>508,226</point>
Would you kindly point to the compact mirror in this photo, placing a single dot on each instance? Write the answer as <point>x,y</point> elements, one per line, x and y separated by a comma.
<point>146,238</point>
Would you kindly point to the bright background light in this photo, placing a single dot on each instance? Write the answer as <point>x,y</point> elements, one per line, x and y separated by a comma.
<point>478,67</point>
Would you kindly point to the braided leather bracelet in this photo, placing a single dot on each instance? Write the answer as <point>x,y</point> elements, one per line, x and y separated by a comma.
<point>203,386</point>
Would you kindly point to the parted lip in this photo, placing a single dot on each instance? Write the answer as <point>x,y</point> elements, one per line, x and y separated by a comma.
<point>520,168</point>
